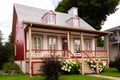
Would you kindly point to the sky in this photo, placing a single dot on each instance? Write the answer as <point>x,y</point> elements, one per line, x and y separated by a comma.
<point>6,13</point>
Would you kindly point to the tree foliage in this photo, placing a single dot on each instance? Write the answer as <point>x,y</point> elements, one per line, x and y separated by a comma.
<point>6,51</point>
<point>92,11</point>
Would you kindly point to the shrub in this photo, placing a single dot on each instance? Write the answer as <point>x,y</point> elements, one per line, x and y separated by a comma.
<point>112,64</point>
<point>70,67</point>
<point>93,65</point>
<point>11,68</point>
<point>117,63</point>
<point>51,68</point>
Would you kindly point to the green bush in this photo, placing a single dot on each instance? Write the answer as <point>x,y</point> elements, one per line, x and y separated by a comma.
<point>51,68</point>
<point>11,68</point>
<point>117,63</point>
<point>70,67</point>
<point>112,64</point>
<point>93,65</point>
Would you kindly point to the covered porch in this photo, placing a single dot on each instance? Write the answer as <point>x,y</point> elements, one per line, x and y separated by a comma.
<point>67,43</point>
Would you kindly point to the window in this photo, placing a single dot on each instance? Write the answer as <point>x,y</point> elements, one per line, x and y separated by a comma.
<point>76,22</point>
<point>52,41</point>
<point>51,18</point>
<point>88,45</point>
<point>37,42</point>
<point>77,45</point>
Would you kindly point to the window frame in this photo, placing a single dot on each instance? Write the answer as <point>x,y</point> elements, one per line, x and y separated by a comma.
<point>90,44</point>
<point>41,45</point>
<point>78,22</point>
<point>53,15</point>
<point>75,51</point>
<point>56,46</point>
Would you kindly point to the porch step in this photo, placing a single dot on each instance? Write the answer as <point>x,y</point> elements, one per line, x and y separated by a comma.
<point>87,69</point>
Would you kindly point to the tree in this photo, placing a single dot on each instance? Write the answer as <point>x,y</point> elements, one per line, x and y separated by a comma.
<point>94,12</point>
<point>1,38</point>
<point>1,50</point>
<point>6,51</point>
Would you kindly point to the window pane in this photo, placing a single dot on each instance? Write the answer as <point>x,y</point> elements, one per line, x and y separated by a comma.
<point>75,22</point>
<point>52,43</point>
<point>37,40</point>
<point>88,44</point>
<point>39,43</point>
<point>77,46</point>
<point>51,18</point>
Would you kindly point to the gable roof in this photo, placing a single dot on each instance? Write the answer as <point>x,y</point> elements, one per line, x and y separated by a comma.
<point>31,14</point>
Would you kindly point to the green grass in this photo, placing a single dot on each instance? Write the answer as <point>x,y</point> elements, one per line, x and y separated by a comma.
<point>62,77</point>
<point>111,72</point>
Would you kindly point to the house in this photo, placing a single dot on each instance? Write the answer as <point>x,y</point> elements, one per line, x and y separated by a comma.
<point>38,32</point>
<point>114,43</point>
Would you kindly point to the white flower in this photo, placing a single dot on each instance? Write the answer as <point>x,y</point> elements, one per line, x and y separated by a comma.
<point>65,69</point>
<point>91,61</point>
<point>68,70</point>
<point>104,64</point>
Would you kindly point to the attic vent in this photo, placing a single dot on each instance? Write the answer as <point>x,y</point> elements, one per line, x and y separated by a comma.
<point>73,11</point>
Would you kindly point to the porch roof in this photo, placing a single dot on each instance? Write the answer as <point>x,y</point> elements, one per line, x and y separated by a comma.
<point>48,26</point>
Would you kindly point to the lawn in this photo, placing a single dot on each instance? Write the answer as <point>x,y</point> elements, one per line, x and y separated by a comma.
<point>62,77</point>
<point>111,72</point>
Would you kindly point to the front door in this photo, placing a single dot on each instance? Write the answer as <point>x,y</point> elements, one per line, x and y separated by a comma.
<point>64,44</point>
<point>64,47</point>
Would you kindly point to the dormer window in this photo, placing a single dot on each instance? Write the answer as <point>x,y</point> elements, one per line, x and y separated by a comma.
<point>49,17</point>
<point>76,22</point>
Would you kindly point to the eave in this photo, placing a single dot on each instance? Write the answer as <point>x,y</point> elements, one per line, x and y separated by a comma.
<point>48,26</point>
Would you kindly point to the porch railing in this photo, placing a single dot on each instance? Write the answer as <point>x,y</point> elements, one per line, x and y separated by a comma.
<point>47,53</point>
<point>95,53</point>
<point>67,54</point>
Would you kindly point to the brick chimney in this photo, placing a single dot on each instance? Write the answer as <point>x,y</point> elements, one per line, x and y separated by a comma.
<point>73,11</point>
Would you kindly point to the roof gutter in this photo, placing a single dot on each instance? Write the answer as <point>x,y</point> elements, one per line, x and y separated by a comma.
<point>66,28</point>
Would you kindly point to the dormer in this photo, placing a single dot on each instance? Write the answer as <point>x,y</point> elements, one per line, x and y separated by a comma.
<point>74,21</point>
<point>49,17</point>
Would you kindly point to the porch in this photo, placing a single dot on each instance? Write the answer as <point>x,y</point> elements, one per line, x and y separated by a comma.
<point>66,44</point>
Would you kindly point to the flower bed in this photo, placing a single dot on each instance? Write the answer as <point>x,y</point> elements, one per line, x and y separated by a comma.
<point>70,67</point>
<point>93,65</point>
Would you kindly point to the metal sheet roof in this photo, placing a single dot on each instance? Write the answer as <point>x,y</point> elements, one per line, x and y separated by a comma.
<point>26,13</point>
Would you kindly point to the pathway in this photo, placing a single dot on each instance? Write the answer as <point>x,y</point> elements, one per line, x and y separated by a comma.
<point>103,76</point>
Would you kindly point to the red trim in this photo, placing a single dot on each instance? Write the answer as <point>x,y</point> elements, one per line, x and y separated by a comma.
<point>47,14</point>
<point>55,19</point>
<point>66,50</point>
<point>76,19</point>
<point>33,68</point>
<point>73,56</point>
<point>88,56</point>
<point>94,50</point>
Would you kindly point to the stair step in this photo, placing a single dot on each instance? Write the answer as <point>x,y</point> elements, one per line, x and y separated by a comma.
<point>87,69</point>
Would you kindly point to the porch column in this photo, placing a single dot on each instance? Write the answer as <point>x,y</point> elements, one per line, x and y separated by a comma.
<point>68,40</point>
<point>81,44</point>
<point>106,46</point>
<point>30,51</point>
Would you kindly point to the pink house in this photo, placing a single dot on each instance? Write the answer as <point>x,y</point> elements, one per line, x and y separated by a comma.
<point>38,32</point>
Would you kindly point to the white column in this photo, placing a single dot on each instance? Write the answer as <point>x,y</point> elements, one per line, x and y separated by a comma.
<point>30,51</point>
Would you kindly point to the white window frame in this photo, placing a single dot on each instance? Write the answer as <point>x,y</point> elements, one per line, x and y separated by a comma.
<point>51,18</point>
<point>88,44</point>
<point>52,43</point>
<point>76,22</point>
<point>38,43</point>
<point>77,46</point>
